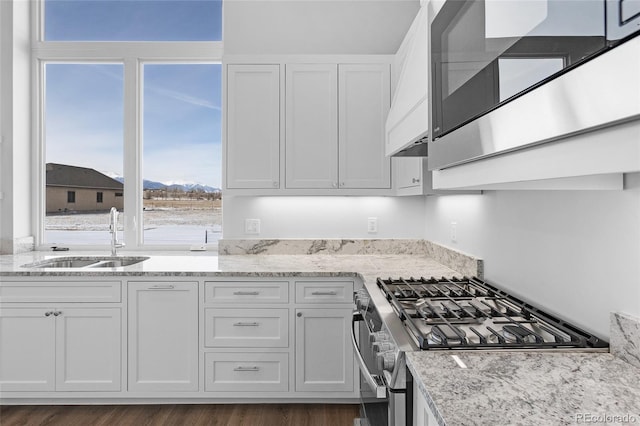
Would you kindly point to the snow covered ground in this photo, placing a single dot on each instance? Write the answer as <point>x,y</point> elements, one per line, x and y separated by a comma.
<point>161,226</point>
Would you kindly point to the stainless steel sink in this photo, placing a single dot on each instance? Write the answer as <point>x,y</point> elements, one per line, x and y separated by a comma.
<point>118,263</point>
<point>87,261</point>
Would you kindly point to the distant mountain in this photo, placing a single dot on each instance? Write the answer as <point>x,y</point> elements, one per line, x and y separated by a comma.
<point>186,187</point>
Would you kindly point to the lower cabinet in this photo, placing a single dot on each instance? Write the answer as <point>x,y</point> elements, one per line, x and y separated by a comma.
<point>247,372</point>
<point>324,357</point>
<point>60,349</point>
<point>171,340</point>
<point>163,336</point>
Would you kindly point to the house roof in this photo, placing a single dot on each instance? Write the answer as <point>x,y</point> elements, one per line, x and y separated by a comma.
<point>79,177</point>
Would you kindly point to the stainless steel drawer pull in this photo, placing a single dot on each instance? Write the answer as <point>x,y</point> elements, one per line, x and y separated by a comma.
<point>162,287</point>
<point>246,324</point>
<point>246,293</point>
<point>324,293</point>
<point>243,368</point>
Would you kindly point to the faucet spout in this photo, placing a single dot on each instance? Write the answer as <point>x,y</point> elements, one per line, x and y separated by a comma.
<point>113,229</point>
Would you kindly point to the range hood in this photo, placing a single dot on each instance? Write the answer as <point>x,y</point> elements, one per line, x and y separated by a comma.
<point>420,148</point>
<point>406,128</point>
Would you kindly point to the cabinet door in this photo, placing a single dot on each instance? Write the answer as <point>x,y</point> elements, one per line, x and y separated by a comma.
<point>364,94</point>
<point>407,172</point>
<point>324,357</point>
<point>27,350</point>
<point>163,336</point>
<point>88,349</point>
<point>311,126</point>
<point>253,126</point>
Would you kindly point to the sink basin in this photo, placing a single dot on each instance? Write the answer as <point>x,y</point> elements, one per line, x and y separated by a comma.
<point>119,262</point>
<point>87,261</point>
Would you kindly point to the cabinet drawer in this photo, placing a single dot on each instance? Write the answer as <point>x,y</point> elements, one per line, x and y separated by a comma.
<point>246,292</point>
<point>246,372</point>
<point>324,292</point>
<point>246,328</point>
<point>33,292</point>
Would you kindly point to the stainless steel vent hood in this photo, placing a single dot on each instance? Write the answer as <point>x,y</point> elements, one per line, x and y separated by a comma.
<point>420,148</point>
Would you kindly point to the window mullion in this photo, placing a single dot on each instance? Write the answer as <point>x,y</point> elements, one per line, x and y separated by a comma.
<point>132,153</point>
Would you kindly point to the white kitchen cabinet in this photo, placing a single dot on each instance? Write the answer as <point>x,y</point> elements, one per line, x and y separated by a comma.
<point>311,126</point>
<point>253,126</point>
<point>363,103</point>
<point>60,349</point>
<point>163,336</point>
<point>324,357</point>
<point>334,126</point>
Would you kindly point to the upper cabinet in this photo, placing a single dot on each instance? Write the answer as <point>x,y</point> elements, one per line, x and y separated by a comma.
<point>408,118</point>
<point>303,128</point>
<point>253,124</point>
<point>312,126</point>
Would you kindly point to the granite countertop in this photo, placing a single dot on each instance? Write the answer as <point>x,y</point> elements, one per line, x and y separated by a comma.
<point>368,266</point>
<point>527,388</point>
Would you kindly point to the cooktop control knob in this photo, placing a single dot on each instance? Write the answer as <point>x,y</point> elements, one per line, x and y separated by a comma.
<point>378,336</point>
<point>382,346</point>
<point>386,360</point>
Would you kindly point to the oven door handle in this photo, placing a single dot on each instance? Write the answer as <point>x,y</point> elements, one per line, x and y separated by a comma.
<point>375,381</point>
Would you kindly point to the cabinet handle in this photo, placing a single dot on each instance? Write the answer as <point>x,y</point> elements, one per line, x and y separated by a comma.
<point>161,287</point>
<point>47,314</point>
<point>324,293</point>
<point>414,180</point>
<point>55,314</point>
<point>299,314</point>
<point>246,324</point>
<point>243,368</point>
<point>246,293</point>
<point>334,184</point>
<point>275,184</point>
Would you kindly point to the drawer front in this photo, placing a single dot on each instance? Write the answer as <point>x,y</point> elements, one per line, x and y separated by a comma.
<point>246,372</point>
<point>246,292</point>
<point>68,292</point>
<point>324,292</point>
<point>246,328</point>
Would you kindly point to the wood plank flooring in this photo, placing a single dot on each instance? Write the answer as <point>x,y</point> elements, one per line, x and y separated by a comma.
<point>170,415</point>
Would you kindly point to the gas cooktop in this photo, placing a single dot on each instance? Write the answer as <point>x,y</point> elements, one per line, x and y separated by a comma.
<point>468,313</point>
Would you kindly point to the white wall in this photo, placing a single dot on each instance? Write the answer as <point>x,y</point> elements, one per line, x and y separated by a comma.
<point>576,254</point>
<point>16,231</point>
<point>316,27</point>
<point>324,217</point>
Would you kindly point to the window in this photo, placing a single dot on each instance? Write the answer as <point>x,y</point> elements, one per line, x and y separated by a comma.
<point>133,20</point>
<point>71,197</point>
<point>129,102</point>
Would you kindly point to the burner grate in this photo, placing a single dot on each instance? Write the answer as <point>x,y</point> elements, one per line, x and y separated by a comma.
<point>468,313</point>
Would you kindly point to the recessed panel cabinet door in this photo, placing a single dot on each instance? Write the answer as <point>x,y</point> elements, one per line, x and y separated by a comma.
<point>324,357</point>
<point>88,349</point>
<point>364,96</point>
<point>253,126</point>
<point>163,336</point>
<point>311,125</point>
<point>27,350</point>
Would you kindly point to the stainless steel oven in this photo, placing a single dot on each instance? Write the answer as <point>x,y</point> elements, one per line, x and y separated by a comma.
<point>380,342</point>
<point>508,74</point>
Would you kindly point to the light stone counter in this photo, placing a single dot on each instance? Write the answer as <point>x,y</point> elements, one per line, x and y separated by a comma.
<point>204,264</point>
<point>527,388</point>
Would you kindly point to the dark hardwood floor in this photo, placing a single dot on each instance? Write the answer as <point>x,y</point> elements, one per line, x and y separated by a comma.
<point>191,415</point>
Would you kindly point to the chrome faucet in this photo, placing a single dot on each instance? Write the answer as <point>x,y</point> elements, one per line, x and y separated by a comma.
<point>113,229</point>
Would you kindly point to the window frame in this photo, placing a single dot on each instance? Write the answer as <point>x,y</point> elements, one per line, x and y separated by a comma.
<point>132,55</point>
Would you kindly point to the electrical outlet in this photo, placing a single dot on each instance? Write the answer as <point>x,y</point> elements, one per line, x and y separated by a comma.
<point>372,225</point>
<point>252,226</point>
<point>454,232</point>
